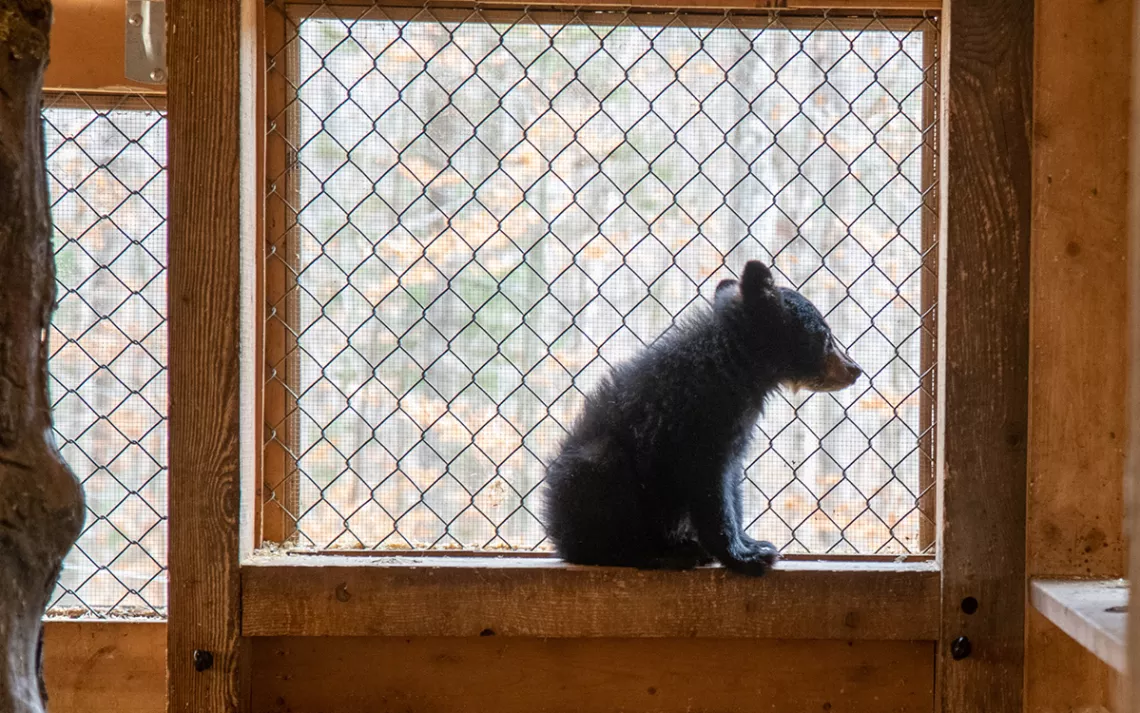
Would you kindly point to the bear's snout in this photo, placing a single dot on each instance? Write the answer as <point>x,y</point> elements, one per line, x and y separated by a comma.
<point>839,373</point>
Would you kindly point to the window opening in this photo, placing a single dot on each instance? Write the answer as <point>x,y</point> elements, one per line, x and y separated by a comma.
<point>106,172</point>
<point>472,213</point>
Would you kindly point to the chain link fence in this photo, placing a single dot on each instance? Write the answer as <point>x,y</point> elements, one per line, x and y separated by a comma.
<point>106,163</point>
<point>474,213</point>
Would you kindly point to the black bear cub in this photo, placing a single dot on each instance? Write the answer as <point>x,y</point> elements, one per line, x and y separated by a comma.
<point>650,475</point>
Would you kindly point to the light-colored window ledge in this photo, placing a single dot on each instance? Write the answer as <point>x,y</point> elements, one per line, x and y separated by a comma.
<point>1092,612</point>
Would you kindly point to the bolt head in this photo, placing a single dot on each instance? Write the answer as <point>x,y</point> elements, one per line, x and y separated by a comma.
<point>960,648</point>
<point>203,660</point>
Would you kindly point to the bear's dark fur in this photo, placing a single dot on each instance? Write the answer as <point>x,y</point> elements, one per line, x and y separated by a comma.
<point>650,475</point>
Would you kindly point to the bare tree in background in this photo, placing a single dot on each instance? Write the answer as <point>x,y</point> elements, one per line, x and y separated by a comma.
<point>41,502</point>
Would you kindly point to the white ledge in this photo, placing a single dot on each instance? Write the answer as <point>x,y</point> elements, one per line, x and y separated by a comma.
<point>357,559</point>
<point>1093,612</point>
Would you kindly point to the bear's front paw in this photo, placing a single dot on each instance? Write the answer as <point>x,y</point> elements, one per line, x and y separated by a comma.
<point>753,557</point>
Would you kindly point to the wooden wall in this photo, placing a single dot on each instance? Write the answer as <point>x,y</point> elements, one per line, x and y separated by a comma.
<point>117,667</point>
<point>113,667</point>
<point>1078,328</point>
<point>369,675</point>
<point>1076,442</point>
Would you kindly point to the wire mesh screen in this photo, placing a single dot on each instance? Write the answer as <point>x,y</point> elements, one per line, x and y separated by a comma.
<point>473,214</point>
<point>106,163</point>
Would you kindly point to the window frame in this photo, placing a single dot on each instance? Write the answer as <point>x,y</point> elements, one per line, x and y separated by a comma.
<point>276,518</point>
<point>222,592</point>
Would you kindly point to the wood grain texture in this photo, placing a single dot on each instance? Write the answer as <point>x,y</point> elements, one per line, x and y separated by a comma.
<point>1079,291</point>
<point>330,596</point>
<point>1131,692</point>
<point>983,382</point>
<point>204,228</point>
<point>1082,683</point>
<point>367,675</point>
<point>105,667</point>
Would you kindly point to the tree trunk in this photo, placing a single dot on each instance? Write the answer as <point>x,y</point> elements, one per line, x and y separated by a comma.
<point>41,502</point>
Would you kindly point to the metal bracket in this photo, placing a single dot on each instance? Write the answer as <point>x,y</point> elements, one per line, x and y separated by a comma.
<point>144,52</point>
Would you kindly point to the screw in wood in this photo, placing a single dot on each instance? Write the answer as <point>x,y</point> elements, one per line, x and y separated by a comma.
<point>960,648</point>
<point>202,660</point>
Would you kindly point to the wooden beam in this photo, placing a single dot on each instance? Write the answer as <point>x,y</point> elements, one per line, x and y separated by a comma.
<point>370,675</point>
<point>209,59</point>
<point>1079,290</point>
<point>984,343</point>
<point>101,666</point>
<point>338,596</point>
<point>1132,473</point>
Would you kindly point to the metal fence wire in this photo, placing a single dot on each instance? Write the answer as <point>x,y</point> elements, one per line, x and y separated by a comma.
<point>474,213</point>
<point>106,165</point>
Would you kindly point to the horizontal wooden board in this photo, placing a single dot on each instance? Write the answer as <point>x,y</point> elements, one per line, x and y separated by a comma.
<point>394,596</point>
<point>367,675</point>
<point>105,667</point>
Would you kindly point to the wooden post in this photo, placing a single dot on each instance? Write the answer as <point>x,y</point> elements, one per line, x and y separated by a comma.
<point>1131,689</point>
<point>41,502</point>
<point>983,381</point>
<point>1079,295</point>
<point>209,60</point>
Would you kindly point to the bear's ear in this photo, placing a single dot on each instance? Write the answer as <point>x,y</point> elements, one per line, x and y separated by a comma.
<point>726,292</point>
<point>757,281</point>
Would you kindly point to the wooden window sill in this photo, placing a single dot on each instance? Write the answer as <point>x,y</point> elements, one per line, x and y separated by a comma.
<point>329,595</point>
<point>1093,612</point>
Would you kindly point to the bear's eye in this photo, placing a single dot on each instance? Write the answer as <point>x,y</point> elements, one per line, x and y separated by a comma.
<point>829,345</point>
